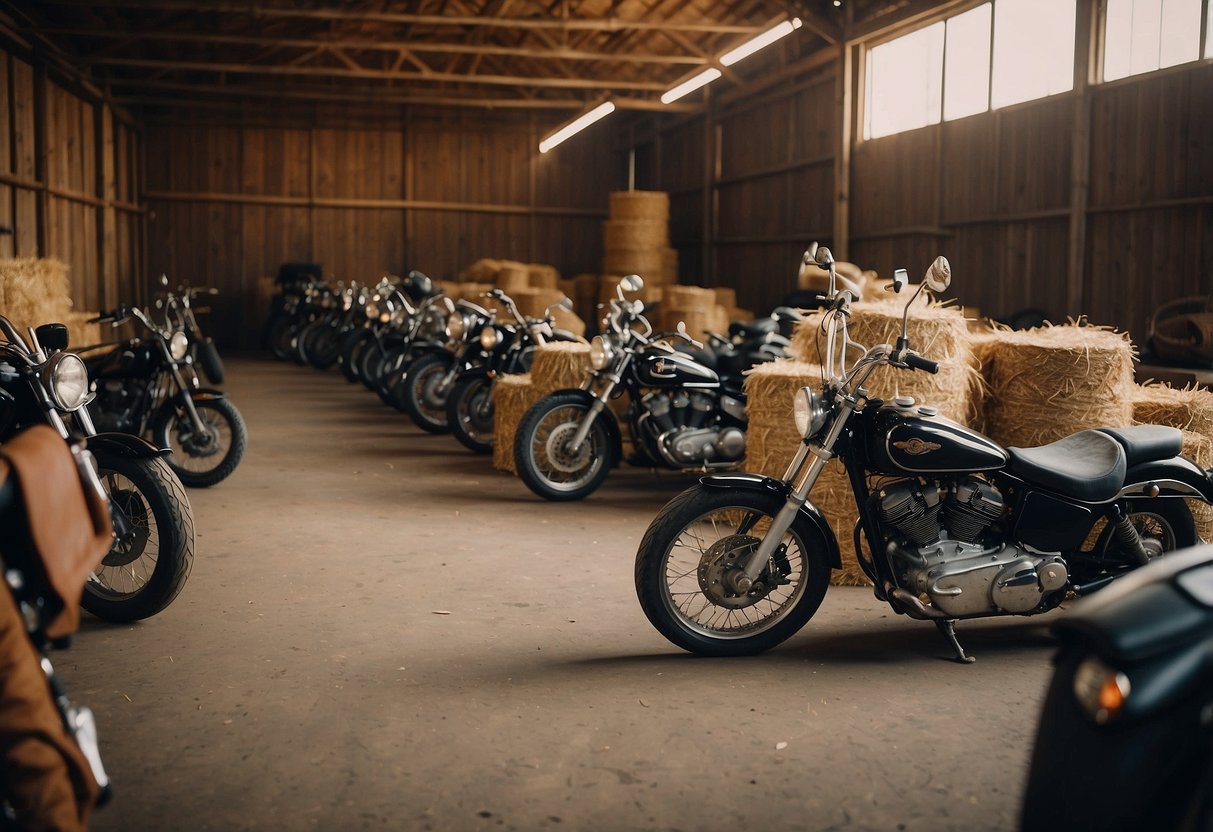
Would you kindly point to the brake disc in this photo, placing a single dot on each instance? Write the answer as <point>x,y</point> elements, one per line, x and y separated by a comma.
<point>721,567</point>
<point>559,454</point>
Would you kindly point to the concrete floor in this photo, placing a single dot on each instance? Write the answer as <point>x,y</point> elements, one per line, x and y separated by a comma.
<point>382,632</point>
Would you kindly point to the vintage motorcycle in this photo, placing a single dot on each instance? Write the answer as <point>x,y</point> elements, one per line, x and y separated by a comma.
<point>153,550</point>
<point>686,410</point>
<point>412,312</point>
<point>958,527</point>
<point>141,391</point>
<point>1125,737</point>
<point>178,308</point>
<point>319,342</point>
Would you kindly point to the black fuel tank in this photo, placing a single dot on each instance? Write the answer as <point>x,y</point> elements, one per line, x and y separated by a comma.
<point>658,368</point>
<point>904,440</point>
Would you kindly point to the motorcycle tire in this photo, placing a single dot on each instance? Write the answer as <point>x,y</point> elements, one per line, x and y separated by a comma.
<point>280,338</point>
<point>370,365</point>
<point>469,411</point>
<point>299,342</point>
<point>542,462</point>
<point>206,463</point>
<point>141,575</point>
<point>395,365</point>
<point>324,348</point>
<point>423,402</point>
<point>351,350</point>
<point>1165,524</point>
<point>690,548</point>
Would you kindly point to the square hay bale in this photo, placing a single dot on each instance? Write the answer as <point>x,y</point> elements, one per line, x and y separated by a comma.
<point>653,206</point>
<point>33,291</point>
<point>510,280</point>
<point>559,366</point>
<point>634,235</point>
<point>1191,410</point>
<point>483,270</point>
<point>543,276</point>
<point>647,264</point>
<point>513,396</point>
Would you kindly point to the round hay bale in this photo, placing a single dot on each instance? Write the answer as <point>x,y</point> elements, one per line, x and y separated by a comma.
<point>483,270</point>
<point>533,302</point>
<point>1191,410</point>
<point>669,265</point>
<point>513,396</point>
<point>511,280</point>
<point>1199,448</point>
<point>935,331</point>
<point>559,366</point>
<point>543,276</point>
<point>647,264</point>
<point>1047,383</point>
<point>640,205</point>
<point>634,235</point>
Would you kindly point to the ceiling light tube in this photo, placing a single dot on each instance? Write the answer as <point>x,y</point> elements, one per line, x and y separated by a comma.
<point>577,125</point>
<point>690,85</point>
<point>768,37</point>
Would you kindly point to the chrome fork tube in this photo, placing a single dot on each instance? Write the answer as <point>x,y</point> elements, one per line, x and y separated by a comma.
<point>600,403</point>
<point>801,477</point>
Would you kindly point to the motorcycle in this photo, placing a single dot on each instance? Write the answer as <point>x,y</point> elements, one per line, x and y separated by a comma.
<point>54,529</point>
<point>302,303</point>
<point>418,332</point>
<point>505,347</point>
<point>153,548</point>
<point>392,318</point>
<point>320,340</point>
<point>686,411</point>
<point>141,391</point>
<point>1124,740</point>
<point>179,316</point>
<point>957,527</point>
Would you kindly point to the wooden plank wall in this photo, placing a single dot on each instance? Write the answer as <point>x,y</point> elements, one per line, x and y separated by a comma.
<point>229,204</point>
<point>68,182</point>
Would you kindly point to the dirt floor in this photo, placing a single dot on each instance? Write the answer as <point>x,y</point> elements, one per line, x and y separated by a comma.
<point>382,632</point>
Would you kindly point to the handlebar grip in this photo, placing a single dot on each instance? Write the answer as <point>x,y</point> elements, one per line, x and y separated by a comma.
<point>917,362</point>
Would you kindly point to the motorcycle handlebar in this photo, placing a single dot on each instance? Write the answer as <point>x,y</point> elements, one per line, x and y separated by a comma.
<point>917,362</point>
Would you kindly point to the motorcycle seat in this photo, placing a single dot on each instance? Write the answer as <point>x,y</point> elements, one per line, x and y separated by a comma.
<point>1088,465</point>
<point>751,329</point>
<point>705,357</point>
<point>1147,443</point>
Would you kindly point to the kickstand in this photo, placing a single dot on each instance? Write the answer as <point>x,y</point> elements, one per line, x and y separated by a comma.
<point>948,628</point>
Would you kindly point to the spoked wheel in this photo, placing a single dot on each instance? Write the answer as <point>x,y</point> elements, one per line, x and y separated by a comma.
<point>1163,524</point>
<point>424,393</point>
<point>154,551</point>
<point>470,413</point>
<point>543,451</point>
<point>370,365</point>
<point>691,582</point>
<point>202,458</point>
<point>351,351</point>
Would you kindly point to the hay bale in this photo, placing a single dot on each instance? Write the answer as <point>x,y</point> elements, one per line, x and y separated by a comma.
<point>726,296</point>
<point>693,306</point>
<point>936,331</point>
<point>647,264</point>
<point>1199,448</point>
<point>512,280</point>
<point>669,265</point>
<point>81,333</point>
<point>634,235</point>
<point>653,206</point>
<point>1047,383</point>
<point>560,365</point>
<point>1191,410</point>
<point>449,288</point>
<point>483,270</point>
<point>743,315</point>
<point>475,292</point>
<point>543,276</point>
<point>513,396</point>
<point>607,293</point>
<point>570,321</point>
<point>34,291</point>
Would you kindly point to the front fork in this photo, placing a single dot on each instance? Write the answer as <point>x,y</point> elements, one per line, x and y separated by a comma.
<point>802,478</point>
<point>599,405</point>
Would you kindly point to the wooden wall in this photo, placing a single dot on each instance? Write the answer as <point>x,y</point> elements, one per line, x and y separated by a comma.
<point>434,191</point>
<point>69,181</point>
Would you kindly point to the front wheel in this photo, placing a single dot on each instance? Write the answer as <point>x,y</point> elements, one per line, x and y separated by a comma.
<point>426,390</point>
<point>543,454</point>
<point>202,458</point>
<point>469,411</point>
<point>690,568</point>
<point>149,562</point>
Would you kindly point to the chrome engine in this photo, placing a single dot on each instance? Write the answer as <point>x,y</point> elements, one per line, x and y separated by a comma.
<point>941,541</point>
<point>683,427</point>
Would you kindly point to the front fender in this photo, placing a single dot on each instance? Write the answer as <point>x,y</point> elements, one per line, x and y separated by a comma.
<point>809,513</point>
<point>1178,477</point>
<point>124,444</point>
<point>606,417</point>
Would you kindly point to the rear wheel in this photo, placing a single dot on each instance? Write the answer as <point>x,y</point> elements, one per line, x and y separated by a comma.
<point>469,412</point>
<point>542,452</point>
<point>1164,524</point>
<point>426,390</point>
<point>148,564</point>
<point>690,579</point>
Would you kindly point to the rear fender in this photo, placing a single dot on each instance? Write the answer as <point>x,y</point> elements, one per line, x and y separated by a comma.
<point>809,514</point>
<point>1178,477</point>
<point>606,418</point>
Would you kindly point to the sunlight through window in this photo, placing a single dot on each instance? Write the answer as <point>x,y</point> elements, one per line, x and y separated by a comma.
<point>1145,35</point>
<point>966,82</point>
<point>1033,50</point>
<point>904,83</point>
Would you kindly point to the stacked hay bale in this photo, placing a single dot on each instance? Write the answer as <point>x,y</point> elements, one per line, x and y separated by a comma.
<point>636,237</point>
<point>1190,410</point>
<point>33,291</point>
<point>533,303</point>
<point>1047,383</point>
<point>557,366</point>
<point>772,441</point>
<point>694,306</point>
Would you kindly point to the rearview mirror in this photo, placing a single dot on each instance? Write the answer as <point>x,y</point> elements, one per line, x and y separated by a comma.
<point>823,257</point>
<point>810,254</point>
<point>164,280</point>
<point>900,278</point>
<point>632,283</point>
<point>939,275</point>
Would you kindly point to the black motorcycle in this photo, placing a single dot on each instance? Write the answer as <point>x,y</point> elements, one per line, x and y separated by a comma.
<point>320,341</point>
<point>956,526</point>
<point>153,551</point>
<point>178,308</point>
<point>408,312</point>
<point>1125,738</point>
<point>505,347</point>
<point>686,410</point>
<point>141,391</point>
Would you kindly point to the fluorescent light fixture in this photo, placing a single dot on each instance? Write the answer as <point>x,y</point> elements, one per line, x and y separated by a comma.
<point>577,125</point>
<point>765,39</point>
<point>690,85</point>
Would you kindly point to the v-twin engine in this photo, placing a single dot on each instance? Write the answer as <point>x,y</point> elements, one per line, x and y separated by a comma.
<point>685,429</point>
<point>944,547</point>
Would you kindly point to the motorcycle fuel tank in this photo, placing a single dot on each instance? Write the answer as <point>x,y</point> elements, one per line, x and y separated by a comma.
<point>912,440</point>
<point>657,368</point>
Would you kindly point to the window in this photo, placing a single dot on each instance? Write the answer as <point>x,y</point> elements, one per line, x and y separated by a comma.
<point>945,70</point>
<point>1145,35</point>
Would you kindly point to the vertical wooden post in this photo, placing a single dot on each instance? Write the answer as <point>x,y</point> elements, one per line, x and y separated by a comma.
<point>409,187</point>
<point>101,190</point>
<point>844,135</point>
<point>711,170</point>
<point>40,166</point>
<point>532,186</point>
<point>1080,154</point>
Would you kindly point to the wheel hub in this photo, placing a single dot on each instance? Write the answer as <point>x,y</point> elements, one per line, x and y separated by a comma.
<point>561,456</point>
<point>129,547</point>
<point>722,575</point>
<point>198,443</point>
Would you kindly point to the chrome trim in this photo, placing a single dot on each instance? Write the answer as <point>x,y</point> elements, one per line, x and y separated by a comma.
<point>1137,489</point>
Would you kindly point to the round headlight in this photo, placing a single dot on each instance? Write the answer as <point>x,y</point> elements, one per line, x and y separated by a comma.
<point>67,379</point>
<point>600,352</point>
<point>809,412</point>
<point>455,326</point>
<point>489,337</point>
<point>178,345</point>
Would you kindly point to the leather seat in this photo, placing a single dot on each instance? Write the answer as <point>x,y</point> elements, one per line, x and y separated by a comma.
<point>750,329</point>
<point>1088,465</point>
<point>1146,443</point>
